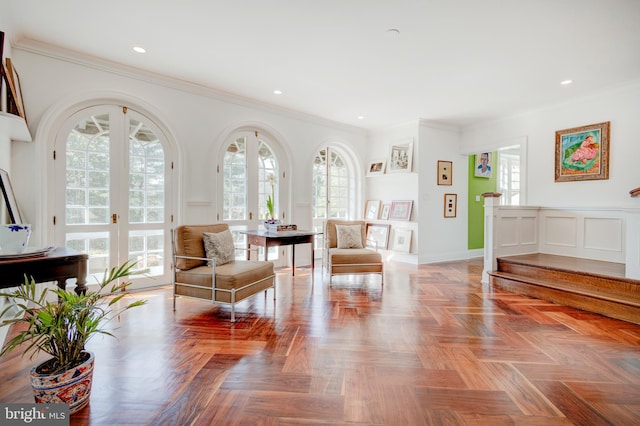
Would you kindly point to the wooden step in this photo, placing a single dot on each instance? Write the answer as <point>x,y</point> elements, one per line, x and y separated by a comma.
<point>571,282</point>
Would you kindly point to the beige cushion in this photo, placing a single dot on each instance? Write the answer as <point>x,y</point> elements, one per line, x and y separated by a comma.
<point>219,246</point>
<point>349,236</point>
<point>331,233</point>
<point>189,242</point>
<point>354,261</point>
<point>232,275</point>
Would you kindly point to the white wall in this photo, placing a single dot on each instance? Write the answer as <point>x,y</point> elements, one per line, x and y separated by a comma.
<point>442,238</point>
<point>435,238</point>
<point>620,106</point>
<point>196,117</point>
<point>396,186</point>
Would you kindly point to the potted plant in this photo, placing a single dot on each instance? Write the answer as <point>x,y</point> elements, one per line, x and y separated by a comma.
<point>62,329</point>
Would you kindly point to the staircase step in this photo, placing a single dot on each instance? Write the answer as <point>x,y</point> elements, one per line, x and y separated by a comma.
<point>582,284</point>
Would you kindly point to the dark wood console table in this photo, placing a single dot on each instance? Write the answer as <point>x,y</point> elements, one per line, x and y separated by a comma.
<point>58,265</point>
<point>284,238</point>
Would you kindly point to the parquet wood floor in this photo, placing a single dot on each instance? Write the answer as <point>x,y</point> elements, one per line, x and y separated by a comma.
<point>431,347</point>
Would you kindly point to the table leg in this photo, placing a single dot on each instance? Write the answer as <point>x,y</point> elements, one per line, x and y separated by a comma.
<point>293,259</point>
<point>81,278</point>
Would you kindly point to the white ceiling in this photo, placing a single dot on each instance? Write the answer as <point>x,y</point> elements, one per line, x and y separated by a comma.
<point>454,61</point>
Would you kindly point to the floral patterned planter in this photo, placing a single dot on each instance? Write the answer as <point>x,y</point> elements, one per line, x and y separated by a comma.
<point>71,387</point>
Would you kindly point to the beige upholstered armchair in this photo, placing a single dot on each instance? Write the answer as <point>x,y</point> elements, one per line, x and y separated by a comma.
<point>204,267</point>
<point>346,249</point>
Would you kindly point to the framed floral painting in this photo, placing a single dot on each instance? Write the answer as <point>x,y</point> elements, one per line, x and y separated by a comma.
<point>582,153</point>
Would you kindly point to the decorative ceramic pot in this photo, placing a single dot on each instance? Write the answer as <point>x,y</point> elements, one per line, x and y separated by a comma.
<point>14,238</point>
<point>71,387</point>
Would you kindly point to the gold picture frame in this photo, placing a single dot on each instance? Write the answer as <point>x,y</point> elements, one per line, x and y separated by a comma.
<point>450,205</point>
<point>15,103</point>
<point>582,153</point>
<point>445,172</point>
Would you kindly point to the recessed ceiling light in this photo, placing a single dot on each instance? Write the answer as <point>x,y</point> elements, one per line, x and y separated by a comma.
<point>392,32</point>
<point>277,92</point>
<point>565,82</point>
<point>139,49</point>
<point>361,117</point>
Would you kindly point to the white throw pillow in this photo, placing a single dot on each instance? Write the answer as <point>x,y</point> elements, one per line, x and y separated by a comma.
<point>349,236</point>
<point>219,246</point>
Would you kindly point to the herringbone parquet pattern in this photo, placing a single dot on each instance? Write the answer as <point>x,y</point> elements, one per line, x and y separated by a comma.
<point>431,347</point>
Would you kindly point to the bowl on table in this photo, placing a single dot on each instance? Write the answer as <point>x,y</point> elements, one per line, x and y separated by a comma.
<point>14,238</point>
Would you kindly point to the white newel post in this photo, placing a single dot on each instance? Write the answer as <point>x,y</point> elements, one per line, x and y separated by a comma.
<point>490,264</point>
<point>632,249</point>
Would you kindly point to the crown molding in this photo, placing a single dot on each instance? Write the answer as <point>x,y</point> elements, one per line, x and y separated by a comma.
<point>65,55</point>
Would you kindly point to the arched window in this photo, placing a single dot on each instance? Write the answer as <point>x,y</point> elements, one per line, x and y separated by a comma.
<point>250,184</point>
<point>333,189</point>
<point>111,179</point>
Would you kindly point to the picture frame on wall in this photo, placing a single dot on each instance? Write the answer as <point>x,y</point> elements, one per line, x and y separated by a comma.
<point>376,167</point>
<point>582,153</point>
<point>401,157</point>
<point>378,235</point>
<point>372,209</point>
<point>384,215</point>
<point>445,173</point>
<point>400,210</point>
<point>482,167</point>
<point>402,240</point>
<point>450,205</point>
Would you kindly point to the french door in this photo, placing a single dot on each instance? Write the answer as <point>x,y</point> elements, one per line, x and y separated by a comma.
<point>112,180</point>
<point>249,178</point>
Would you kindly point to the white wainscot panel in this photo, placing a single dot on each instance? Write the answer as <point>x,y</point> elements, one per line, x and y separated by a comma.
<point>560,231</point>
<point>603,234</point>
<point>528,230</point>
<point>508,229</point>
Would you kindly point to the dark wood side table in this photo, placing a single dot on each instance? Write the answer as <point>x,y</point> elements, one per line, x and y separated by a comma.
<point>58,265</point>
<point>284,238</point>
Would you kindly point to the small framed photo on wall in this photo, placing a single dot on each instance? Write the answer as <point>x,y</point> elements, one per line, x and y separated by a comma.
<point>450,205</point>
<point>483,165</point>
<point>445,173</point>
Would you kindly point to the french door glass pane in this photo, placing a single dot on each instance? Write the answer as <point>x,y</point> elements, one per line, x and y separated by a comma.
<point>87,174</point>
<point>235,181</point>
<point>147,246</point>
<point>330,190</point>
<point>267,181</point>
<point>96,244</point>
<point>146,175</point>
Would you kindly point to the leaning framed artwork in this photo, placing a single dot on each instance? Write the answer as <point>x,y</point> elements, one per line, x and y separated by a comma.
<point>385,211</point>
<point>400,210</point>
<point>445,173</point>
<point>402,240</point>
<point>13,83</point>
<point>376,167</point>
<point>401,157</point>
<point>372,209</point>
<point>378,235</point>
<point>582,153</point>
